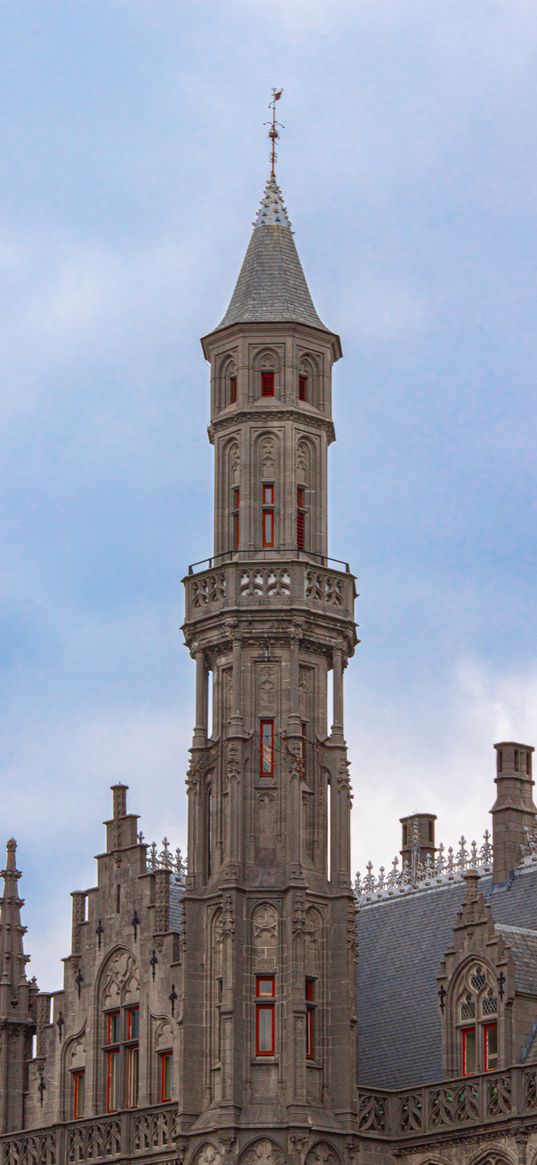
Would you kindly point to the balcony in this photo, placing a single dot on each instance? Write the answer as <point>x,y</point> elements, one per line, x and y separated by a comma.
<point>269,579</point>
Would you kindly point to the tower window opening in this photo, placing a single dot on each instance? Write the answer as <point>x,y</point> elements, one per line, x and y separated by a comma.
<point>265,1015</point>
<point>303,750</point>
<point>310,1019</point>
<point>78,1085</point>
<point>528,763</point>
<point>300,517</point>
<point>517,766</point>
<point>302,387</point>
<point>236,516</point>
<point>267,383</point>
<point>209,830</point>
<point>233,390</point>
<point>477,1010</point>
<point>500,760</point>
<point>165,1076</point>
<point>266,748</point>
<point>267,515</point>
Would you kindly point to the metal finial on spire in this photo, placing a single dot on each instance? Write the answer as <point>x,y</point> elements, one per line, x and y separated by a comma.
<point>273,131</point>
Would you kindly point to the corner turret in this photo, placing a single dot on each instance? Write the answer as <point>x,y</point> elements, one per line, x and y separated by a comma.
<point>17,1000</point>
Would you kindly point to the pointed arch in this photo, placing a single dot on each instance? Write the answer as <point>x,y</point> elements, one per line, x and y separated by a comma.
<point>323,1153</point>
<point>118,1009</point>
<point>492,1157</point>
<point>309,380</point>
<point>267,373</point>
<point>472,1016</point>
<point>263,1151</point>
<point>226,381</point>
<point>207,1154</point>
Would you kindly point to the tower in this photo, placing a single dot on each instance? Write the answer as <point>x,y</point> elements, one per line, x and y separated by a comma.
<point>17,1000</point>
<point>269,1014</point>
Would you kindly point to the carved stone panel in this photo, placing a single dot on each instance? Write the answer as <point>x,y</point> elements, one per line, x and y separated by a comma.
<point>263,1152</point>
<point>121,980</point>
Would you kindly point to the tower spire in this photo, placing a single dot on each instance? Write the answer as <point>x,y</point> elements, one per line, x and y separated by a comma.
<point>17,997</point>
<point>273,131</point>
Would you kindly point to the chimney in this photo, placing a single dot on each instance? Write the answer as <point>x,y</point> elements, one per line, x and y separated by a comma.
<point>417,842</point>
<point>513,812</point>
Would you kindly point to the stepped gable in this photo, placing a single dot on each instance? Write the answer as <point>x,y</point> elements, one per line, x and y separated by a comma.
<point>271,287</point>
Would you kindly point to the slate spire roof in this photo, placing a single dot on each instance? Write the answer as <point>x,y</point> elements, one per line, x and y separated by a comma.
<point>271,287</point>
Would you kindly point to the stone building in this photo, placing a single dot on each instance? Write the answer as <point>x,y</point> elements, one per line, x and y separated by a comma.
<point>258,1006</point>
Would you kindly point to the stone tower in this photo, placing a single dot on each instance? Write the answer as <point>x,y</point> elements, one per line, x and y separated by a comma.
<point>17,1000</point>
<point>269,1015</point>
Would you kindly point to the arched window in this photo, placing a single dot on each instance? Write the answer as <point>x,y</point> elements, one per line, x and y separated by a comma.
<point>120,1031</point>
<point>226,390</point>
<point>476,1018</point>
<point>266,368</point>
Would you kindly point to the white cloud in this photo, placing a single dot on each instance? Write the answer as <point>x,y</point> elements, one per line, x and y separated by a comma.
<point>446,768</point>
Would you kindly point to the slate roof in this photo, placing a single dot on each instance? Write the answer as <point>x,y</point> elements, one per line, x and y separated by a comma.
<point>271,287</point>
<point>400,946</point>
<point>523,945</point>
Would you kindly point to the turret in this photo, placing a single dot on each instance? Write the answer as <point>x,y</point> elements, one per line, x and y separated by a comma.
<point>17,1000</point>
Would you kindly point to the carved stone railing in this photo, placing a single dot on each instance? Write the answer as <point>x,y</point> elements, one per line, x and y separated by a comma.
<point>413,1113</point>
<point>447,866</point>
<point>254,583</point>
<point>147,1135</point>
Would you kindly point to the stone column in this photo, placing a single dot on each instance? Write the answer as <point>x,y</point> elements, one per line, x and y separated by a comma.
<point>200,729</point>
<point>337,665</point>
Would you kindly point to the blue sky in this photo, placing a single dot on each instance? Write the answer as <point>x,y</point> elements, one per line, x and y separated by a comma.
<point>133,162</point>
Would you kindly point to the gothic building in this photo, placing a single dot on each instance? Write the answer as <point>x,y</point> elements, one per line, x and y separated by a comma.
<point>258,1006</point>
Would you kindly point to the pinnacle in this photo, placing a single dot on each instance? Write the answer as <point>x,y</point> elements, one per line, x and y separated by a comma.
<point>272,210</point>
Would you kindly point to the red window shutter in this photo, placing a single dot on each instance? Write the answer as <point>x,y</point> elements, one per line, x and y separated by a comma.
<point>267,384</point>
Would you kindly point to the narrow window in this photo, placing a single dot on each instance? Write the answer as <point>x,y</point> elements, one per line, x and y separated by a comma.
<point>300,517</point>
<point>79,1081</point>
<point>113,1027</point>
<point>516,761</point>
<point>166,1076</point>
<point>500,760</point>
<point>303,750</point>
<point>236,516</point>
<point>233,390</point>
<point>490,1047</point>
<point>528,763</point>
<point>310,1019</point>
<point>302,387</point>
<point>266,748</point>
<point>265,993</point>
<point>468,1051</point>
<point>219,990</point>
<point>267,384</point>
<point>267,515</point>
<point>209,829</point>
<point>112,1080</point>
<point>132,1056</point>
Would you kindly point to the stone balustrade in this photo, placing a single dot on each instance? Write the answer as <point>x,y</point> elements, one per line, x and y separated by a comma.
<point>253,583</point>
<point>147,1135</point>
<point>413,1113</point>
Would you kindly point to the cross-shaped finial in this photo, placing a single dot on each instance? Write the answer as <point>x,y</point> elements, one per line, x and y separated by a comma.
<point>79,979</point>
<point>41,1088</point>
<point>501,984</point>
<point>442,997</point>
<point>99,931</point>
<point>135,922</point>
<point>153,963</point>
<point>173,998</point>
<point>60,1023</point>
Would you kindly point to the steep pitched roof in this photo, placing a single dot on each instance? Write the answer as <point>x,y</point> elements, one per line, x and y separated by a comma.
<point>271,287</point>
<point>523,944</point>
<point>400,945</point>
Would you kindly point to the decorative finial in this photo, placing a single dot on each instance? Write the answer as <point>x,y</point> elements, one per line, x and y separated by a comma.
<point>273,131</point>
<point>11,847</point>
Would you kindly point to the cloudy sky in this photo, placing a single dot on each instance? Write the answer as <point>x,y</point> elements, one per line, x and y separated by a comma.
<point>133,161</point>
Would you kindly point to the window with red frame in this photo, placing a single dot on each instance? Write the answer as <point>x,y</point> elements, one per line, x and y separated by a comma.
<point>266,748</point>
<point>267,515</point>
<point>310,1019</point>
<point>166,1076</point>
<point>469,1051</point>
<point>236,516</point>
<point>300,517</point>
<point>265,1015</point>
<point>490,1047</point>
<point>79,1086</point>
<point>232,390</point>
<point>121,1057</point>
<point>267,383</point>
<point>302,387</point>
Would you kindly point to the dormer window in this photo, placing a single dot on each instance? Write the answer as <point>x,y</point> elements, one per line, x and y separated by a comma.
<point>477,1010</point>
<point>267,383</point>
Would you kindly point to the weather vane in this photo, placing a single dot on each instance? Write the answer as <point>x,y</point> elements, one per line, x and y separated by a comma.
<point>273,131</point>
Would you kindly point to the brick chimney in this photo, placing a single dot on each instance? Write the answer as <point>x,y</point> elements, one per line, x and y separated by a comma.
<point>513,811</point>
<point>417,842</point>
